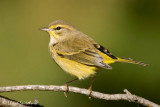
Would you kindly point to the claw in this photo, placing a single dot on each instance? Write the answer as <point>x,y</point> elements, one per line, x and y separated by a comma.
<point>67,89</point>
<point>65,94</point>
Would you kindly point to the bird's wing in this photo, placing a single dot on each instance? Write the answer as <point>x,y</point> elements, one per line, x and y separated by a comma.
<point>80,51</point>
<point>104,50</point>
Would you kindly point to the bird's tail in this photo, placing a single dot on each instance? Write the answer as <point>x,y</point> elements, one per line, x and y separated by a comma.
<point>129,60</point>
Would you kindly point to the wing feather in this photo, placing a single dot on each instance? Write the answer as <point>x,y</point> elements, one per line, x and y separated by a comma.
<point>81,52</point>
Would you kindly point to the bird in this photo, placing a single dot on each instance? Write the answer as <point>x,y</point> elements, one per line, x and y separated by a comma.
<point>78,54</point>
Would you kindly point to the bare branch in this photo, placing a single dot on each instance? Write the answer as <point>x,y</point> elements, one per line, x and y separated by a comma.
<point>6,102</point>
<point>127,96</point>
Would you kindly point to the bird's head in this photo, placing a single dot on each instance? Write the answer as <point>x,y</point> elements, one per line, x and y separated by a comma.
<point>60,30</point>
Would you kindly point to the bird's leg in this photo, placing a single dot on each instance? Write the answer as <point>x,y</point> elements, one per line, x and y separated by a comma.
<point>90,87</point>
<point>67,87</point>
<point>66,84</point>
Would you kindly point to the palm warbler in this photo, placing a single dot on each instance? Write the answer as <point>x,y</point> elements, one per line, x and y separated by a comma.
<point>78,54</point>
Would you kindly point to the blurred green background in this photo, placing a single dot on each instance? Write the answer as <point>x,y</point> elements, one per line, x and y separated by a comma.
<point>128,28</point>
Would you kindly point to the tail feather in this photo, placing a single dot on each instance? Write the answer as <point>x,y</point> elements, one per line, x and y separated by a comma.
<point>129,60</point>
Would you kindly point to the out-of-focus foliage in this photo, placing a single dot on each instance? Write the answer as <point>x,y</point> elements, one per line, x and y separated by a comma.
<point>128,28</point>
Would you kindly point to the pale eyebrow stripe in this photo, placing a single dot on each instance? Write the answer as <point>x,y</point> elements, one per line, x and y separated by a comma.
<point>60,25</point>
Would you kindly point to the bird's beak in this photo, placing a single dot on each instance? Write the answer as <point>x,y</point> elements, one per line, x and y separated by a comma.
<point>45,29</point>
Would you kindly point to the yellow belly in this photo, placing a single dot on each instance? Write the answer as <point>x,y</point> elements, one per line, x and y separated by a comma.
<point>74,68</point>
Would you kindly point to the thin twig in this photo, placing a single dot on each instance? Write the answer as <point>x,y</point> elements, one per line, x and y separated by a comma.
<point>127,96</point>
<point>7,102</point>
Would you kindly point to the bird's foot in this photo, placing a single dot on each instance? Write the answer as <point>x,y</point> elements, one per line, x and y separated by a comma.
<point>67,89</point>
<point>90,92</point>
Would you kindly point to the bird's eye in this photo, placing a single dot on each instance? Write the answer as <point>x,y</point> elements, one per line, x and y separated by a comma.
<point>58,28</point>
